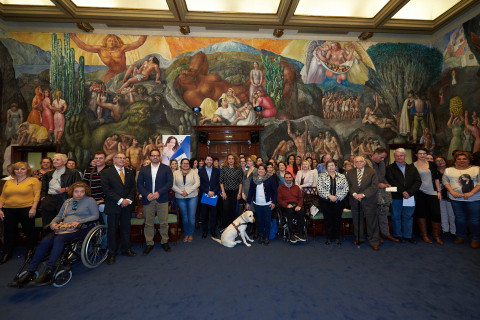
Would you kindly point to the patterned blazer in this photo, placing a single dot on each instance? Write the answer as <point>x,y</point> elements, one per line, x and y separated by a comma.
<point>323,186</point>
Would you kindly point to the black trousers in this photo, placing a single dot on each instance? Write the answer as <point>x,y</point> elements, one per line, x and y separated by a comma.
<point>208,216</point>
<point>113,220</point>
<point>332,213</point>
<point>292,215</point>
<point>51,206</point>
<point>229,212</point>
<point>12,217</point>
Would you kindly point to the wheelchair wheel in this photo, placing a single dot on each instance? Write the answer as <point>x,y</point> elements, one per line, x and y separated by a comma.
<point>62,277</point>
<point>92,252</point>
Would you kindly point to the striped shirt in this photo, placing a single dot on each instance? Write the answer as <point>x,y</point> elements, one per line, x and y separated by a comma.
<point>94,179</point>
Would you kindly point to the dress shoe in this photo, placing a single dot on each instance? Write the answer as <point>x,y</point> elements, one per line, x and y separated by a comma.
<point>129,253</point>
<point>44,279</point>
<point>459,241</point>
<point>375,247</point>
<point>266,241</point>
<point>389,237</point>
<point>475,244</point>
<point>147,250</point>
<point>411,240</point>
<point>260,240</point>
<point>204,235</point>
<point>5,258</point>
<point>380,240</point>
<point>166,247</point>
<point>400,239</point>
<point>214,234</point>
<point>338,242</point>
<point>328,242</point>
<point>111,259</point>
<point>358,242</point>
<point>22,281</point>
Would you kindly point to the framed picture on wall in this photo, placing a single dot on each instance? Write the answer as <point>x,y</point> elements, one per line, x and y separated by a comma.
<point>409,148</point>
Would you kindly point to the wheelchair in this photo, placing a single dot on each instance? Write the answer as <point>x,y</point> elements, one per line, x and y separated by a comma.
<point>88,250</point>
<point>283,232</point>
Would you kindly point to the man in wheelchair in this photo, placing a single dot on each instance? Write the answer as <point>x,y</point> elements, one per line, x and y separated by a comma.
<point>290,201</point>
<point>72,222</point>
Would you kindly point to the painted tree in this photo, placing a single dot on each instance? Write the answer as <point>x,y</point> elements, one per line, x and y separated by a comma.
<point>401,67</point>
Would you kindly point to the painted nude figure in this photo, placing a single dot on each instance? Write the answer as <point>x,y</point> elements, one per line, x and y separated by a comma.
<point>111,52</point>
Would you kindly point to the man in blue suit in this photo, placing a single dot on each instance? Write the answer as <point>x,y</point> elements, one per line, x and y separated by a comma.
<point>209,184</point>
<point>153,183</point>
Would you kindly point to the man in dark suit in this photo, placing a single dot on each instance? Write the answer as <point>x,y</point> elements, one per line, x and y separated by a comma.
<point>406,179</point>
<point>209,184</point>
<point>363,187</point>
<point>55,185</point>
<point>153,183</point>
<point>118,185</point>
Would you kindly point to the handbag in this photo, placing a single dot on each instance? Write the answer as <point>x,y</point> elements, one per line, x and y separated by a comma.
<point>66,227</point>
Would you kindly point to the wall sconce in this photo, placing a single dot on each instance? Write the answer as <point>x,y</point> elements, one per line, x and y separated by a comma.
<point>278,32</point>
<point>85,26</point>
<point>185,30</point>
<point>365,36</point>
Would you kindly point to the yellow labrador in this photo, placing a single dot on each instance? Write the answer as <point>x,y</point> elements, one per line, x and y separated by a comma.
<point>235,229</point>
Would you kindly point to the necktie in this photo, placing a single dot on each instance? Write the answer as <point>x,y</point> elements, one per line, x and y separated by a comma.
<point>122,176</point>
<point>359,176</point>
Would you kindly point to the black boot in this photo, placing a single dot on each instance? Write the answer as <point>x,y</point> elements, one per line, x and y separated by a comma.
<point>44,279</point>
<point>22,281</point>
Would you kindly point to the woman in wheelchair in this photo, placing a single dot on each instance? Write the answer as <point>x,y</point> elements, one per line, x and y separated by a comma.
<point>71,223</point>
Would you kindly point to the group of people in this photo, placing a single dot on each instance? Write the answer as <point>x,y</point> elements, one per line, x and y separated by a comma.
<point>427,189</point>
<point>45,122</point>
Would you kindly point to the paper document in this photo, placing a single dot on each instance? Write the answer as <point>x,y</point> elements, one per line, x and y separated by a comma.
<point>391,189</point>
<point>410,202</point>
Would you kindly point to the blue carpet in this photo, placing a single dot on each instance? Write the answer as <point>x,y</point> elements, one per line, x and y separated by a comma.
<point>204,280</point>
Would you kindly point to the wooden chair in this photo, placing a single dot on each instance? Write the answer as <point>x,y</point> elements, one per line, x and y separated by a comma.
<point>314,223</point>
<point>173,218</point>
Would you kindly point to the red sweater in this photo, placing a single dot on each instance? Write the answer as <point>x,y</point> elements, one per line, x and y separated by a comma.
<point>286,195</point>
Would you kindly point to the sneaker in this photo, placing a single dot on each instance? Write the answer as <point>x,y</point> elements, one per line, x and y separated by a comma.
<point>292,239</point>
<point>300,237</point>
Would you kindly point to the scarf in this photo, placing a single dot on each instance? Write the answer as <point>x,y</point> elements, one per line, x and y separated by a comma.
<point>257,180</point>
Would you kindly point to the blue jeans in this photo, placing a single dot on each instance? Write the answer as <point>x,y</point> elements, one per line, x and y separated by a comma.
<point>188,207</point>
<point>57,243</point>
<point>467,213</point>
<point>402,219</point>
<point>264,217</point>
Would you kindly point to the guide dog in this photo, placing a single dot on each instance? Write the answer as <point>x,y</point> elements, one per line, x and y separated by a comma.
<point>235,229</point>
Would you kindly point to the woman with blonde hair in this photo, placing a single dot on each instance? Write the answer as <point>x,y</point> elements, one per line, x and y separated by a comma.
<point>18,203</point>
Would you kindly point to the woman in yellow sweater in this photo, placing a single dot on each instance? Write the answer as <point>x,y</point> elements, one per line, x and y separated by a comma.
<point>18,203</point>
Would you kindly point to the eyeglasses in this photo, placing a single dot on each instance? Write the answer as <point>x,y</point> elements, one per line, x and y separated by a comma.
<point>154,155</point>
<point>75,205</point>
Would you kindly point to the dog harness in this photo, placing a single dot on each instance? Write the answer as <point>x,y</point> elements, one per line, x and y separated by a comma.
<point>236,226</point>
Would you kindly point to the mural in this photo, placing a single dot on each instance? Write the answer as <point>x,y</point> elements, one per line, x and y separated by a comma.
<point>88,92</point>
